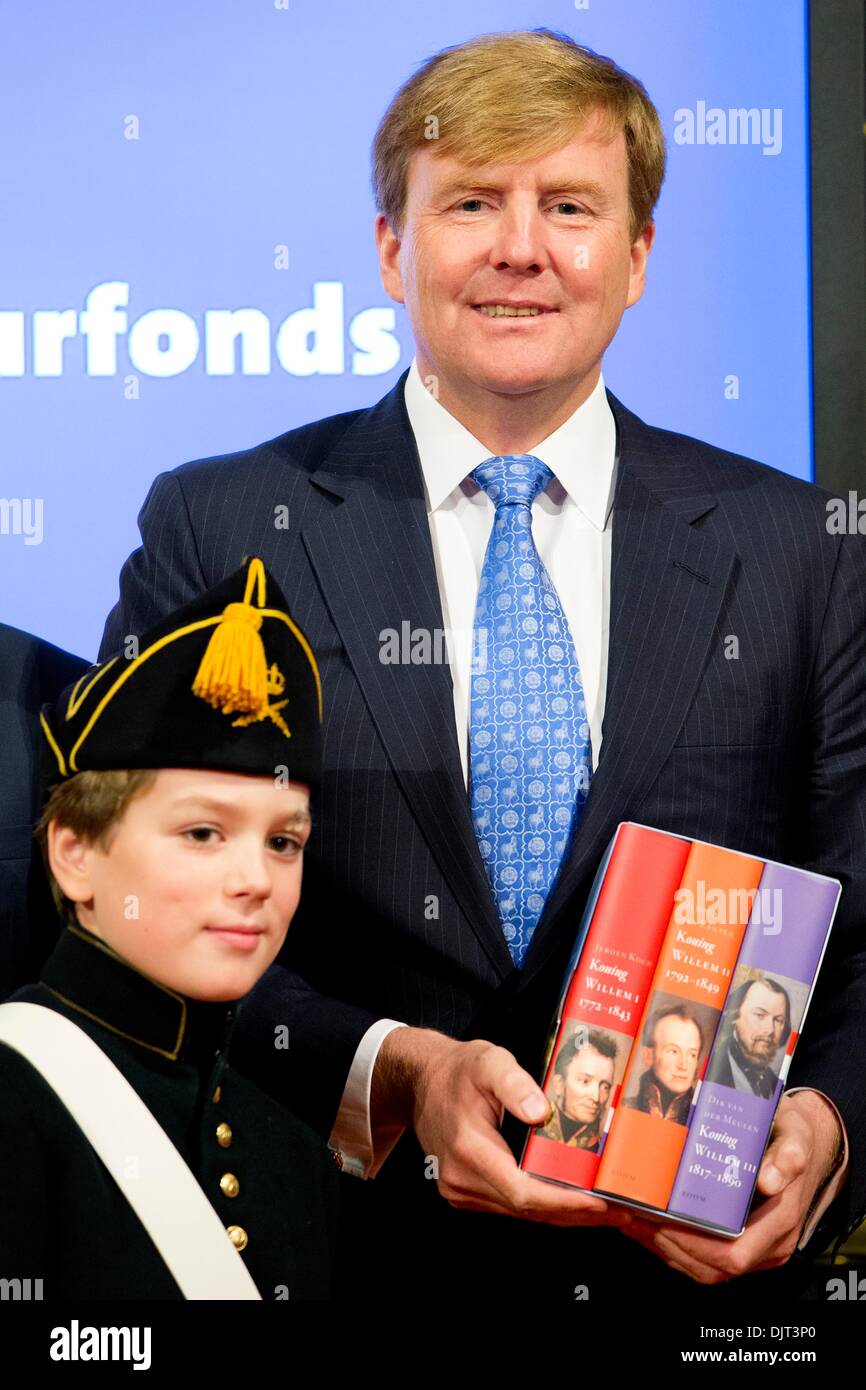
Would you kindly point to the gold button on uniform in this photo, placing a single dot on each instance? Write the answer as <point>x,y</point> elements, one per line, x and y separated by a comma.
<point>224,1135</point>
<point>229,1185</point>
<point>215,1098</point>
<point>238,1237</point>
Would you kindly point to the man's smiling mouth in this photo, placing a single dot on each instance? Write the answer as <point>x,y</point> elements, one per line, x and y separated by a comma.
<point>512,311</point>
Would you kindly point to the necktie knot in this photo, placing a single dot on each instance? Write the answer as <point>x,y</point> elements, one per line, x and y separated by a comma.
<point>512,479</point>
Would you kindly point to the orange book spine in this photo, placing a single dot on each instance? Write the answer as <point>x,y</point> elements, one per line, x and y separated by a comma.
<point>711,910</point>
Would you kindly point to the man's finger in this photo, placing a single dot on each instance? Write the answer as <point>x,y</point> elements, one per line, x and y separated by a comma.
<point>685,1251</point>
<point>493,1175</point>
<point>757,1248</point>
<point>787,1156</point>
<point>514,1087</point>
<point>686,1263</point>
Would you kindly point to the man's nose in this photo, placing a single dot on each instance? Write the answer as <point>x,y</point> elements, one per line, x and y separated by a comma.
<point>519,238</point>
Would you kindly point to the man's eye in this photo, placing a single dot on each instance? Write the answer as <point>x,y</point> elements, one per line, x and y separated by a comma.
<point>479,202</point>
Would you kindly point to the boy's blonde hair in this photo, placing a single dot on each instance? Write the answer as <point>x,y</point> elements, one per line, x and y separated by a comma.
<point>510,97</point>
<point>92,804</point>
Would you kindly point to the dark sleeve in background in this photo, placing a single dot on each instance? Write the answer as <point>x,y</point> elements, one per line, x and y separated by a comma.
<point>32,672</point>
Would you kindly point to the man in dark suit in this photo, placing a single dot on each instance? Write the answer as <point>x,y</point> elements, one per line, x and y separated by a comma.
<point>32,673</point>
<point>727,703</point>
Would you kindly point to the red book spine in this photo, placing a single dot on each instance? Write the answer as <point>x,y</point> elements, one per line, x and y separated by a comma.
<point>603,1002</point>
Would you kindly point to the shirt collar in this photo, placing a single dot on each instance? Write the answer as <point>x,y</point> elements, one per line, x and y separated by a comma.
<point>580,453</point>
<point>87,975</point>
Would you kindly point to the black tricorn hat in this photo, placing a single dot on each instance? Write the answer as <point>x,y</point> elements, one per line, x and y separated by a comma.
<point>227,682</point>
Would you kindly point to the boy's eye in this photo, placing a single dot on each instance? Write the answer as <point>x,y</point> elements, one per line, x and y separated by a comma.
<point>285,844</point>
<point>200,830</point>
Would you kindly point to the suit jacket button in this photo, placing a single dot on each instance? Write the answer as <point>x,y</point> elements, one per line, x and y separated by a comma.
<point>229,1185</point>
<point>215,1098</point>
<point>238,1237</point>
<point>224,1135</point>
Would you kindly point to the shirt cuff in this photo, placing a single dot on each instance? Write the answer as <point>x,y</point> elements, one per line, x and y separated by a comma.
<point>836,1180</point>
<point>351,1137</point>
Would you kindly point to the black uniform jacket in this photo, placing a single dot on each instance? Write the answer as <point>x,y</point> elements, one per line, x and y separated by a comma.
<point>62,1216</point>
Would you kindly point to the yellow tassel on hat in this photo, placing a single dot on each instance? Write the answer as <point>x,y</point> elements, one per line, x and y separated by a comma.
<point>233,674</point>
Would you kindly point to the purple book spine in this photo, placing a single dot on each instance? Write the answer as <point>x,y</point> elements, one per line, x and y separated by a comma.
<point>730,1124</point>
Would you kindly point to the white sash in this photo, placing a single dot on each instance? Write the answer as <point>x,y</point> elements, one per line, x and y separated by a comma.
<point>164,1194</point>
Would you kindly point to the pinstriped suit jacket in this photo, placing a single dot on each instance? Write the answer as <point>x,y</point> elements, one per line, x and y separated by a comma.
<point>735,712</point>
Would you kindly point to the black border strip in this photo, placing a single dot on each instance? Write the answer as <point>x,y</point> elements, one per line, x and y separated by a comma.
<point>837,126</point>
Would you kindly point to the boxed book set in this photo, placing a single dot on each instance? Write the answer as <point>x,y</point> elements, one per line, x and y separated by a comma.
<point>683,1002</point>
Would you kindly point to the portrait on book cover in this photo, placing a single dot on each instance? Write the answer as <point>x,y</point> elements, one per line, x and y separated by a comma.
<point>761,1012</point>
<point>675,1040</point>
<point>587,1068</point>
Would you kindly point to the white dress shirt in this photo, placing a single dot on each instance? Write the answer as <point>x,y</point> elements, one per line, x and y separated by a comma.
<point>572,533</point>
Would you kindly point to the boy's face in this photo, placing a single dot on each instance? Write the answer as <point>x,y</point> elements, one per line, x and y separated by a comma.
<point>200,880</point>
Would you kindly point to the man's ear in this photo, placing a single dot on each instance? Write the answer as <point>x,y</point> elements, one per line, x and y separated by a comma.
<point>556,1089</point>
<point>70,859</point>
<point>389,258</point>
<point>648,1057</point>
<point>639,253</point>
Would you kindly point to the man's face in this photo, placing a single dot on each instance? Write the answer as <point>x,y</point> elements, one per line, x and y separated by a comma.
<point>760,1024</point>
<point>676,1053</point>
<point>553,231</point>
<point>585,1090</point>
<point>197,854</point>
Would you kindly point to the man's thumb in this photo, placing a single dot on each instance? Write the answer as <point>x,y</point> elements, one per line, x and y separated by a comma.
<point>513,1087</point>
<point>782,1162</point>
<point>534,1108</point>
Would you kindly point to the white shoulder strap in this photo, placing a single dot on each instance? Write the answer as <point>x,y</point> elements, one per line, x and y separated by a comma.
<point>164,1193</point>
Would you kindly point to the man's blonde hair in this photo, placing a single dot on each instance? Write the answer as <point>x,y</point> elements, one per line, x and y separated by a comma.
<point>510,97</point>
<point>92,804</point>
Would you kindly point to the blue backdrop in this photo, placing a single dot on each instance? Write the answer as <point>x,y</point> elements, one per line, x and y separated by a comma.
<point>166,165</point>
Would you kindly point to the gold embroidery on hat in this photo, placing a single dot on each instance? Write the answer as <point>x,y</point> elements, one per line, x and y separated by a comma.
<point>303,643</point>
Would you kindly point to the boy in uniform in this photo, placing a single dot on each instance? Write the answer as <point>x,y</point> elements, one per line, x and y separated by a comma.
<point>135,1163</point>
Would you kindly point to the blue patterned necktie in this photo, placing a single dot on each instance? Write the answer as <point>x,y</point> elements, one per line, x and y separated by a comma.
<point>529,747</point>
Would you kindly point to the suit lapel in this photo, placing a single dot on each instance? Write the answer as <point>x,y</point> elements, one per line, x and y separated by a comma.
<point>369,543</point>
<point>668,580</point>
